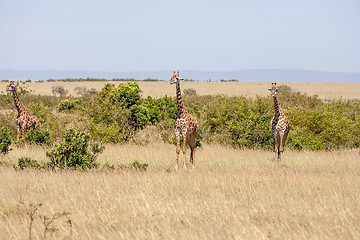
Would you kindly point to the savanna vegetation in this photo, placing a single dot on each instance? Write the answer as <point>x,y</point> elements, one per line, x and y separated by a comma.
<point>129,191</point>
<point>117,113</point>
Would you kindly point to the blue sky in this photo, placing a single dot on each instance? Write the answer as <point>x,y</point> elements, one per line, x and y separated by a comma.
<point>143,35</point>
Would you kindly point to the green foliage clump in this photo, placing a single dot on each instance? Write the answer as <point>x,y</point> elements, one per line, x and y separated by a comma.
<point>329,126</point>
<point>151,111</point>
<point>68,105</point>
<point>118,113</point>
<point>126,94</point>
<point>40,111</point>
<point>5,140</point>
<point>26,162</point>
<point>39,137</point>
<point>74,151</point>
<point>139,166</point>
<point>110,114</point>
<point>135,166</point>
<point>237,121</point>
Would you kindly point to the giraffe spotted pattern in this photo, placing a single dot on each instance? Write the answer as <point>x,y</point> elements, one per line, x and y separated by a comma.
<point>280,125</point>
<point>185,125</point>
<point>24,120</point>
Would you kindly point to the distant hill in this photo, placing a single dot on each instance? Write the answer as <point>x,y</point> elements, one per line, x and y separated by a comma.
<point>240,75</point>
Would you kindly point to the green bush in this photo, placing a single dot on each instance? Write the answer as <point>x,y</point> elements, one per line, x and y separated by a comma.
<point>74,151</point>
<point>126,94</point>
<point>26,162</point>
<point>331,126</point>
<point>40,137</point>
<point>118,113</point>
<point>68,105</point>
<point>5,140</point>
<point>40,111</point>
<point>236,121</point>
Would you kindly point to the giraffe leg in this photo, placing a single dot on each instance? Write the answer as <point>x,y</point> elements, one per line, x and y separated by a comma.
<point>192,149</point>
<point>184,148</point>
<point>275,150</point>
<point>281,149</point>
<point>279,154</point>
<point>18,133</point>
<point>277,147</point>
<point>177,135</point>
<point>193,157</point>
<point>23,130</point>
<point>192,144</point>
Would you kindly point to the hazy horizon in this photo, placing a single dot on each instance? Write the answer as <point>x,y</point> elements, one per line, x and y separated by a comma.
<point>239,75</point>
<point>171,70</point>
<point>159,35</point>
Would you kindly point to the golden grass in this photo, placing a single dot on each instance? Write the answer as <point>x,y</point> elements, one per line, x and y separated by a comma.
<point>325,91</point>
<point>232,194</point>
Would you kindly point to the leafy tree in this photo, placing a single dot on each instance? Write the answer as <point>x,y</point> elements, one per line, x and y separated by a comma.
<point>189,92</point>
<point>59,90</point>
<point>80,90</point>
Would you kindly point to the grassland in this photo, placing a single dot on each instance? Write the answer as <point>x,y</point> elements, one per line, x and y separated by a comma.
<point>232,194</point>
<point>325,91</point>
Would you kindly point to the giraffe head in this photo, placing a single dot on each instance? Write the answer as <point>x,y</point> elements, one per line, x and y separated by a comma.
<point>273,90</point>
<point>175,78</point>
<point>11,87</point>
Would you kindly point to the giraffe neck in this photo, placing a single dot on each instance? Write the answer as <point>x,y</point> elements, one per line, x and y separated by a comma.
<point>180,104</point>
<point>277,108</point>
<point>19,106</point>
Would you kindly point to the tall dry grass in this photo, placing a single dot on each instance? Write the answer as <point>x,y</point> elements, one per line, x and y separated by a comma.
<point>232,194</point>
<point>325,91</point>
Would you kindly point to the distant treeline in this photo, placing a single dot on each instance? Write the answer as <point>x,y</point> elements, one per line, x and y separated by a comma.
<point>91,80</point>
<point>101,80</point>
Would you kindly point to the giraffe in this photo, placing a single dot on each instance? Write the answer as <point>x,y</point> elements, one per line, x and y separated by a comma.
<point>185,124</point>
<point>24,119</point>
<point>280,125</point>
